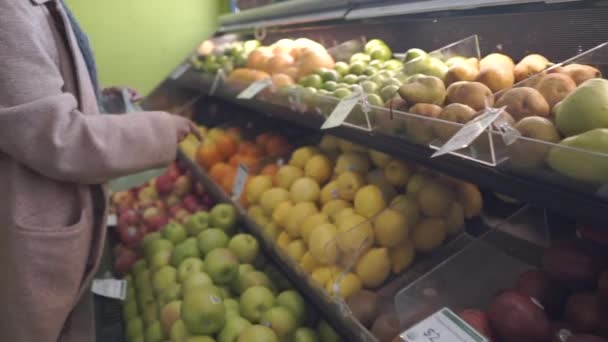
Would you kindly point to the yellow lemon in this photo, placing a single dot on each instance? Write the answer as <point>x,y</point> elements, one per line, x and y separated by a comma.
<point>318,167</point>
<point>310,223</point>
<point>369,201</point>
<point>304,189</point>
<point>344,285</point>
<point>272,197</point>
<point>322,244</point>
<point>300,156</point>
<point>390,228</point>
<point>429,234</point>
<point>296,249</point>
<point>374,267</point>
<point>280,212</point>
<point>402,256</point>
<point>296,217</point>
<point>283,240</point>
<point>348,184</point>
<point>329,192</point>
<point>334,206</point>
<point>355,234</point>
<point>308,262</point>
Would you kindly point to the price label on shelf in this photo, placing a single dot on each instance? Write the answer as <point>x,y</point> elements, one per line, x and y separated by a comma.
<point>111,288</point>
<point>179,71</point>
<point>340,113</point>
<point>469,132</point>
<point>239,183</point>
<point>112,220</point>
<point>220,76</point>
<point>442,326</point>
<point>254,88</point>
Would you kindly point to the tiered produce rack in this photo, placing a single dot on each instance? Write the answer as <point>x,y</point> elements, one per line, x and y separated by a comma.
<point>557,30</point>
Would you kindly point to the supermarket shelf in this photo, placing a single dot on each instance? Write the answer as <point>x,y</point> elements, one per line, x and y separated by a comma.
<point>344,323</point>
<point>562,200</point>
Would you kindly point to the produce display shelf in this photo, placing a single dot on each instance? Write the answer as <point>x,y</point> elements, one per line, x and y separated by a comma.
<point>562,200</point>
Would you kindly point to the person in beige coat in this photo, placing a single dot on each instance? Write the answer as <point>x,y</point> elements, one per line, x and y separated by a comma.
<point>56,152</point>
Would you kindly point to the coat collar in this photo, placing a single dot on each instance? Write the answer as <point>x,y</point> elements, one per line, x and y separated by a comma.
<point>40,2</point>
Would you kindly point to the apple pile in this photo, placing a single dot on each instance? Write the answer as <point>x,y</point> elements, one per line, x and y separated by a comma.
<point>566,300</point>
<point>170,198</point>
<point>204,281</point>
<point>351,217</point>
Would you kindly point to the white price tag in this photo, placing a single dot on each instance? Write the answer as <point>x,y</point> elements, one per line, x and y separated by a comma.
<point>112,220</point>
<point>469,132</point>
<point>111,288</point>
<point>442,326</point>
<point>180,70</point>
<point>220,76</point>
<point>340,113</point>
<point>239,183</point>
<point>254,88</point>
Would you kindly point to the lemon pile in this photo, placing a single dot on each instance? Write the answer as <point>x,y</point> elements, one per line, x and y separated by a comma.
<point>351,217</point>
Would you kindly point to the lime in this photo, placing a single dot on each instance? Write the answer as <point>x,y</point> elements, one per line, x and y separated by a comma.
<point>412,54</point>
<point>393,64</point>
<point>382,53</point>
<point>375,100</point>
<point>370,71</point>
<point>388,92</point>
<point>330,85</point>
<point>329,75</point>
<point>372,44</point>
<point>359,56</point>
<point>341,93</point>
<point>357,67</point>
<point>342,68</point>
<point>369,86</point>
<point>351,79</point>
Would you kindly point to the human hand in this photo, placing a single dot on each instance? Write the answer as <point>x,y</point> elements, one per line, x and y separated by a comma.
<point>185,127</point>
<point>117,90</point>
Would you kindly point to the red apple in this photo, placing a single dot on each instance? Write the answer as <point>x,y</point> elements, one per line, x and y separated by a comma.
<point>164,184</point>
<point>123,200</point>
<point>124,261</point>
<point>128,218</point>
<point>182,186</point>
<point>130,235</point>
<point>182,215</point>
<point>190,202</point>
<point>147,195</point>
<point>173,171</point>
<point>174,209</point>
<point>157,223</point>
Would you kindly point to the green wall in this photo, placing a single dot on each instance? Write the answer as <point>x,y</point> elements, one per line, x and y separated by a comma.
<point>138,43</point>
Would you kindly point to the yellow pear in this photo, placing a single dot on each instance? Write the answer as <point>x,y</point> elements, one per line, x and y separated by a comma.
<point>334,206</point>
<point>280,212</point>
<point>308,262</point>
<point>349,146</point>
<point>342,214</point>
<point>352,161</point>
<point>429,234</point>
<point>286,175</point>
<point>296,249</point>
<point>329,143</point>
<point>369,201</point>
<point>297,215</point>
<point>343,285</point>
<point>283,240</point>
<point>329,192</point>
<point>256,186</point>
<point>322,244</point>
<point>300,156</point>
<point>402,256</point>
<point>408,207</point>
<point>318,167</point>
<point>272,197</point>
<point>348,184</point>
<point>455,219</point>
<point>378,158</point>
<point>310,223</point>
<point>304,190</point>
<point>374,267</point>
<point>397,172</point>
<point>355,234</point>
<point>435,199</point>
<point>390,228</point>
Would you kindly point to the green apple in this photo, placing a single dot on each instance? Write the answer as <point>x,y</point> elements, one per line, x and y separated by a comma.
<point>222,265</point>
<point>195,280</point>
<point>328,74</point>
<point>255,301</point>
<point>330,85</point>
<point>139,266</point>
<point>135,328</point>
<point>200,338</point>
<point>170,314</point>
<point>369,71</point>
<point>225,291</point>
<point>413,54</point>
<point>369,86</point>
<point>245,246</point>
<point>160,259</point>
<point>203,310</point>
<point>342,93</point>
<point>232,329</point>
<point>156,246</point>
<point>280,320</point>
<point>312,80</point>
<point>257,333</point>
<point>388,92</point>
<point>375,100</point>
<point>154,332</point>
<point>223,216</point>
<point>351,79</point>
<point>327,333</point>
<point>174,232</point>
<point>359,56</point>
<point>144,296</point>
<point>235,284</point>
<point>304,334</point>
<point>188,248</point>
<point>172,293</point>
<point>129,309</point>
<point>342,68</point>
<point>150,312</point>
<point>147,240</point>
<point>382,53</point>
<point>142,279</point>
<point>254,278</point>
<point>211,239</point>
<point>197,222</point>
<point>189,266</point>
<point>164,278</point>
<point>376,63</point>
<point>357,68</point>
<point>232,308</point>
<point>393,64</point>
<point>178,332</point>
<point>372,44</point>
<point>294,302</point>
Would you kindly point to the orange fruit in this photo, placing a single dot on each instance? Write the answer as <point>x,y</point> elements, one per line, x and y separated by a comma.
<point>270,170</point>
<point>226,145</point>
<point>262,138</point>
<point>277,146</point>
<point>218,170</point>
<point>250,149</point>
<point>235,132</point>
<point>208,155</point>
<point>228,180</point>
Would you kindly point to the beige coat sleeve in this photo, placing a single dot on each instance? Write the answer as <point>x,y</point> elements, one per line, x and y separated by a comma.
<point>41,127</point>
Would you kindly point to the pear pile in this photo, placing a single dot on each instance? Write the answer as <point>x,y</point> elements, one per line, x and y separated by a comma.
<point>351,217</point>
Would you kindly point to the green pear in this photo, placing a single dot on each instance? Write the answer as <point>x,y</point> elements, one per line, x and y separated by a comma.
<point>578,164</point>
<point>423,89</point>
<point>584,109</point>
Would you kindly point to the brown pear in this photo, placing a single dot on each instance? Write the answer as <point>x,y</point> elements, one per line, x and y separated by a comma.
<point>454,112</point>
<point>418,129</point>
<point>496,77</point>
<point>423,89</point>
<point>530,65</point>
<point>497,59</point>
<point>463,70</point>
<point>523,102</point>
<point>530,154</point>
<point>555,87</point>
<point>580,73</point>
<point>473,94</point>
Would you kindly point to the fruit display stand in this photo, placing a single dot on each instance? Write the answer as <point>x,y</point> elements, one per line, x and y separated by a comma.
<point>499,160</point>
